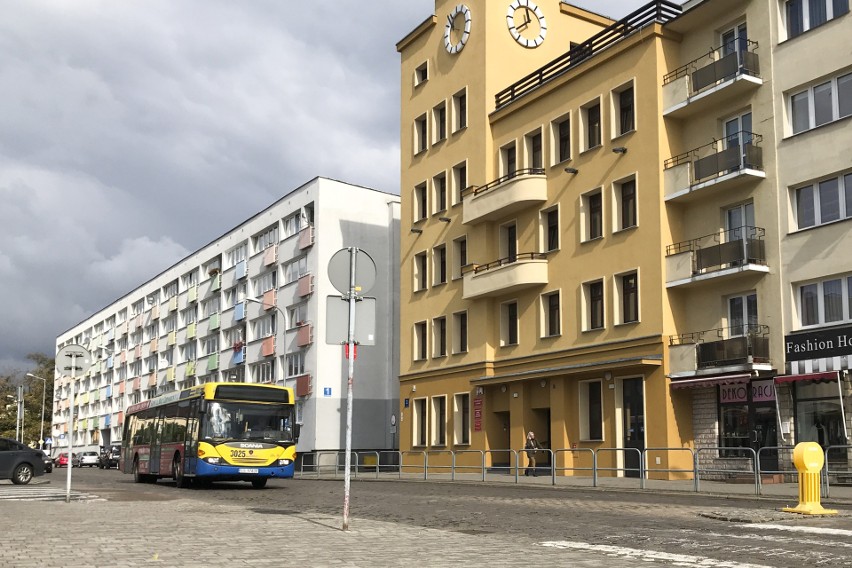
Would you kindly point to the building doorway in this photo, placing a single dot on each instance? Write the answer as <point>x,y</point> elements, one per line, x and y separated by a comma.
<point>632,424</point>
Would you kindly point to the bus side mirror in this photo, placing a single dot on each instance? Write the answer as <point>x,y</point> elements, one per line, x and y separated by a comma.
<point>202,406</point>
<point>297,428</point>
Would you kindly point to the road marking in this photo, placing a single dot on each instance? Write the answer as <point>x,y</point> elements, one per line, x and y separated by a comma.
<point>41,493</point>
<point>650,555</point>
<point>809,530</point>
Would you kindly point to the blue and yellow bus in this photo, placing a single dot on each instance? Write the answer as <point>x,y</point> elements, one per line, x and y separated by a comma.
<point>212,432</point>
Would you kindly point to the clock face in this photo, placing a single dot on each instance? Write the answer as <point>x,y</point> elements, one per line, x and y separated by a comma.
<point>457,29</point>
<point>526,23</point>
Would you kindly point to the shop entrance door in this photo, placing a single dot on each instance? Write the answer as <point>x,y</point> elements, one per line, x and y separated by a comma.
<point>633,424</point>
<point>764,434</point>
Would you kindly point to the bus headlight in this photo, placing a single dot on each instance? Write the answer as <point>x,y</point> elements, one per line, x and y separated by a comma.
<point>212,460</point>
<point>283,462</point>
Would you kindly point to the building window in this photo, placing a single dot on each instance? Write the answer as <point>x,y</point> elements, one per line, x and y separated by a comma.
<point>439,185</point>
<point>803,15</point>
<point>821,104</point>
<point>420,272</point>
<point>534,150</point>
<point>591,411</point>
<point>439,420</point>
<point>459,110</point>
<point>461,419</point>
<point>822,302</point>
<point>263,327</point>
<point>592,208</point>
<point>420,341</point>
<point>460,332</point>
<point>420,134</point>
<point>824,201</point>
<point>562,139</point>
<point>625,202</point>
<point>266,239</point>
<point>624,117</point>
<point>439,341</point>
<point>509,160</point>
<point>591,115</point>
<point>418,426</point>
<point>263,372</point>
<point>295,269</point>
<point>552,314</point>
<point>439,114</point>
<point>550,223</point>
<point>439,259</point>
<point>459,182</point>
<point>296,364</point>
<point>628,290</point>
<point>421,209</point>
<point>421,74</point>
<point>460,256</point>
<point>594,303</point>
<point>509,324</point>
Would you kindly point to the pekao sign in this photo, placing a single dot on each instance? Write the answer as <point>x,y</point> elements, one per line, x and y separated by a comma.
<point>834,342</point>
<point>761,391</point>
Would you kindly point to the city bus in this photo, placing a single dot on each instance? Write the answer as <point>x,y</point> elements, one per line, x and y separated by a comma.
<point>212,432</point>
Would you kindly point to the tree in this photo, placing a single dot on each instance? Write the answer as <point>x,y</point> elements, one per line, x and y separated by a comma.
<point>44,368</point>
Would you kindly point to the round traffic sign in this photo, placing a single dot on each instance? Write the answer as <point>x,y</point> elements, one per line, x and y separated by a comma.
<point>73,360</point>
<point>340,267</point>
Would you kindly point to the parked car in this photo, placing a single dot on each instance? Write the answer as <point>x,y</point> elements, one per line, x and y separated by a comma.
<point>19,463</point>
<point>89,459</point>
<point>48,462</point>
<point>62,460</point>
<point>109,457</point>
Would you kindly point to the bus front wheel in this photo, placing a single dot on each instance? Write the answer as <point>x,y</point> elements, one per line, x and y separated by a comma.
<point>258,483</point>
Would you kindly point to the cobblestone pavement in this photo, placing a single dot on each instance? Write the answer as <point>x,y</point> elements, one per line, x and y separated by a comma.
<point>409,523</point>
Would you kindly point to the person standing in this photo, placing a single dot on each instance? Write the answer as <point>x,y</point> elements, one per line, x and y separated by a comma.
<point>531,446</point>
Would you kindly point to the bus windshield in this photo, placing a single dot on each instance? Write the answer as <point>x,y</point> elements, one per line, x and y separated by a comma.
<point>227,421</point>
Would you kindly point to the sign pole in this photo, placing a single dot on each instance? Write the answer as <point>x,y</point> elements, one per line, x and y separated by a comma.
<point>70,463</point>
<point>350,343</point>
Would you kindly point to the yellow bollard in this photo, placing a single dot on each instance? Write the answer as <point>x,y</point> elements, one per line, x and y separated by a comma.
<point>809,459</point>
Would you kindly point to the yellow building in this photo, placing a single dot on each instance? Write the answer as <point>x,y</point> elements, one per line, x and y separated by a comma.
<point>532,274</point>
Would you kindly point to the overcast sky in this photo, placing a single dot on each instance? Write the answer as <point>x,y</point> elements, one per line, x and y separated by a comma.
<point>132,133</point>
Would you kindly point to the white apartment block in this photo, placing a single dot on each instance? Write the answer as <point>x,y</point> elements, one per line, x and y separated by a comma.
<point>251,307</point>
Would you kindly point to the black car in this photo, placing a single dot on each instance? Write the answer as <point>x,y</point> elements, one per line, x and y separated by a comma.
<point>19,463</point>
<point>109,457</point>
<point>48,462</point>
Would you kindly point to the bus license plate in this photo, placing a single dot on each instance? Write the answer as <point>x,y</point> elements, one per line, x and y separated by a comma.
<point>248,470</point>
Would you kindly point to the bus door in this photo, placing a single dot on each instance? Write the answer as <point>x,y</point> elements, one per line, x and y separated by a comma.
<point>154,460</point>
<point>191,441</point>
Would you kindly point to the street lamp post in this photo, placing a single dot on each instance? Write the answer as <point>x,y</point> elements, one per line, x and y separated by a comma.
<point>43,392</point>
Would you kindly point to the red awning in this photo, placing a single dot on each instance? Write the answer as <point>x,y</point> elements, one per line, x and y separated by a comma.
<point>710,381</point>
<point>829,376</point>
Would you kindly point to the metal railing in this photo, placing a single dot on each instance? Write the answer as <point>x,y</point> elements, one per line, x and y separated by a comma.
<point>477,268</point>
<point>741,344</point>
<point>733,247</point>
<point>736,151</point>
<point>659,11</point>
<point>476,190</point>
<point>735,57</point>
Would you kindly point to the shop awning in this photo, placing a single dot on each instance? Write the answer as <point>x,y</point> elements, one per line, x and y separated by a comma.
<point>710,381</point>
<point>828,376</point>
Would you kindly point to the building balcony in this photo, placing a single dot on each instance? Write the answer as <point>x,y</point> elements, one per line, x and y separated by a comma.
<point>712,80</point>
<point>213,321</point>
<point>171,338</point>
<point>241,270</point>
<point>721,255</point>
<point>213,284</point>
<point>304,335</point>
<point>267,347</point>
<point>270,255</point>
<point>152,379</point>
<point>240,311</point>
<point>305,285</point>
<point>725,164</point>
<point>742,348</point>
<point>505,195</point>
<point>213,362</point>
<point>171,305</point>
<point>192,294</point>
<point>306,237</point>
<point>191,330</point>
<point>304,385</point>
<point>505,275</point>
<point>239,355</point>
<point>190,369</point>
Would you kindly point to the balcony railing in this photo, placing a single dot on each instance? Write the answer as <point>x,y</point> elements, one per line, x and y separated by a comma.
<point>735,247</point>
<point>735,152</point>
<point>736,57</point>
<point>738,345</point>
<point>659,11</point>
<point>479,268</point>
<point>478,190</point>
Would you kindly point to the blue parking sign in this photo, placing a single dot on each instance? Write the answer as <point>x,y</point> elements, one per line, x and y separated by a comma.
<point>326,391</point>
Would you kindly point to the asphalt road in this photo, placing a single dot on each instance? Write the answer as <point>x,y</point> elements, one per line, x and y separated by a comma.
<point>648,526</point>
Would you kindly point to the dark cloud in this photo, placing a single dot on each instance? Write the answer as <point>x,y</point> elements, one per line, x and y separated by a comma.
<point>132,133</point>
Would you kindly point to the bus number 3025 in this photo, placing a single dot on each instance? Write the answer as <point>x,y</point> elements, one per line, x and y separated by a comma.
<point>238,453</point>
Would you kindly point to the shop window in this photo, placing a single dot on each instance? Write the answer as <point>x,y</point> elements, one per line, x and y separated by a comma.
<point>439,420</point>
<point>734,430</point>
<point>418,429</point>
<point>591,411</point>
<point>461,419</point>
<point>819,414</point>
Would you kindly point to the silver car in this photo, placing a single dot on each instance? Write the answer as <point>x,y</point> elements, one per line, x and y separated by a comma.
<point>89,459</point>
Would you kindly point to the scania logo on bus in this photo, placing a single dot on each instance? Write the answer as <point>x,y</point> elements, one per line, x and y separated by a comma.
<point>256,446</point>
